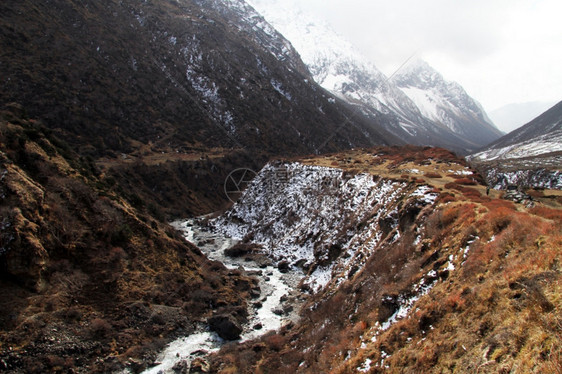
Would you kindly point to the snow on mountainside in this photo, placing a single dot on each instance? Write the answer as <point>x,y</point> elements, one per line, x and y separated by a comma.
<point>540,145</point>
<point>446,103</point>
<point>530,155</point>
<point>440,114</point>
<point>321,219</point>
<point>541,136</point>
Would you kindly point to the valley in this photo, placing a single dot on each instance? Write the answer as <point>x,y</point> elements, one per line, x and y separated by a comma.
<point>276,299</point>
<point>359,246</point>
<point>394,261</point>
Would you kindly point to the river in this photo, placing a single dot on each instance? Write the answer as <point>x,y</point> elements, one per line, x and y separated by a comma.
<point>274,311</point>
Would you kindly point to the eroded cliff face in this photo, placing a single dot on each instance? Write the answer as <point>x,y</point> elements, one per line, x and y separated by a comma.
<point>409,264</point>
<point>323,220</point>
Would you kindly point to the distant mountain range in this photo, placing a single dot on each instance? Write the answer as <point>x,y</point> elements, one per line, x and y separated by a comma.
<point>512,116</point>
<point>423,107</point>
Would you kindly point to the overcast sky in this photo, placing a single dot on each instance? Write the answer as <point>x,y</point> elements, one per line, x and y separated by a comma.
<point>500,51</point>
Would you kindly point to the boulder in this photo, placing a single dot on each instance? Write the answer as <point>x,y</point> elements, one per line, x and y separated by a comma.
<point>181,367</point>
<point>283,266</point>
<point>225,326</point>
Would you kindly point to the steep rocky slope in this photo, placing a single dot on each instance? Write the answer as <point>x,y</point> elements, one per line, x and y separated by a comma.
<point>88,282</point>
<point>308,217</point>
<point>450,280</point>
<point>171,75</point>
<point>530,156</point>
<point>162,93</point>
<point>446,103</point>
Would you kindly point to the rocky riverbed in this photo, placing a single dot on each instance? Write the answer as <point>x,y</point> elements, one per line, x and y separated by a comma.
<point>276,302</point>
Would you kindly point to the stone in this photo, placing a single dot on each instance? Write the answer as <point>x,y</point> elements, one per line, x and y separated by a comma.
<point>199,366</point>
<point>181,367</point>
<point>225,326</point>
<point>283,266</point>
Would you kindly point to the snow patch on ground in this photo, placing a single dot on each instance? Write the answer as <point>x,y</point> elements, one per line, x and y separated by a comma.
<point>319,219</point>
<point>366,366</point>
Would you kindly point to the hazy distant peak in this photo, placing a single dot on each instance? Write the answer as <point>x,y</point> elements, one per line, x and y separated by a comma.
<point>512,116</point>
<point>423,107</point>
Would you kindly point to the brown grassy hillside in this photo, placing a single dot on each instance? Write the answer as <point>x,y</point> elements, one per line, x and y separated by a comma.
<point>482,284</point>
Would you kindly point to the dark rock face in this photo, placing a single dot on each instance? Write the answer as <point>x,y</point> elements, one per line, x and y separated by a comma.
<point>225,326</point>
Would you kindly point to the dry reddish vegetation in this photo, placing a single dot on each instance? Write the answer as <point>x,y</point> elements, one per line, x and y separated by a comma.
<point>498,310</point>
<point>87,280</point>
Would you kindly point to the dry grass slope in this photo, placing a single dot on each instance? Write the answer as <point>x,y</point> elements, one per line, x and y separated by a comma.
<point>89,282</point>
<point>490,268</point>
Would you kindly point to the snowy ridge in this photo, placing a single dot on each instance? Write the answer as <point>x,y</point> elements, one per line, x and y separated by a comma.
<point>433,113</point>
<point>540,145</point>
<point>320,219</point>
<point>446,103</point>
<point>253,24</point>
<point>335,63</point>
<point>530,156</point>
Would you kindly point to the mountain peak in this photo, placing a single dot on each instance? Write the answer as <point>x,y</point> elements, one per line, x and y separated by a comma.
<point>423,108</point>
<point>420,74</point>
<point>414,65</point>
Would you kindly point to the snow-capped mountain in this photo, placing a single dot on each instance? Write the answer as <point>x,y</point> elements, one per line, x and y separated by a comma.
<point>445,103</point>
<point>195,73</point>
<point>423,110</point>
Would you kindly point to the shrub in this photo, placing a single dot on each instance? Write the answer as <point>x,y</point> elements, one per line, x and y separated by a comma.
<point>121,236</point>
<point>433,175</point>
<point>499,203</point>
<point>466,181</point>
<point>498,219</point>
<point>275,342</point>
<point>548,213</point>
<point>446,197</point>
<point>99,328</point>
